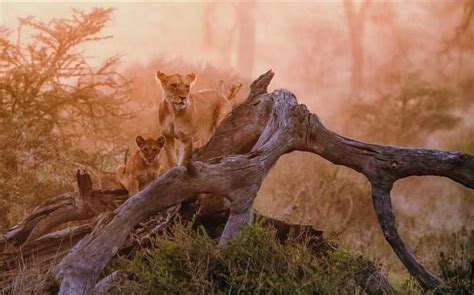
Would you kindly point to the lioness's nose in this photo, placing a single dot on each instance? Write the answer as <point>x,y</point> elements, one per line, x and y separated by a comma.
<point>182,97</point>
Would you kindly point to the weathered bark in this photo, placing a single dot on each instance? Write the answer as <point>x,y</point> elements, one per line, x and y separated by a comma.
<point>32,242</point>
<point>116,277</point>
<point>22,249</point>
<point>20,253</point>
<point>238,177</point>
<point>74,206</point>
<point>44,218</point>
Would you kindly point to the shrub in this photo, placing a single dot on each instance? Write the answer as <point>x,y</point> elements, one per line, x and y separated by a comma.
<point>457,266</point>
<point>254,262</point>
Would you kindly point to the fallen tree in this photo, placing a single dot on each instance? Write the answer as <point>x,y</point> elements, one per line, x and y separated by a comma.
<point>234,163</point>
<point>231,168</point>
<point>36,242</point>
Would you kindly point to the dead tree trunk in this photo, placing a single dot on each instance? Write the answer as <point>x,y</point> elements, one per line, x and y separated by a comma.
<point>74,206</point>
<point>32,243</point>
<point>262,129</point>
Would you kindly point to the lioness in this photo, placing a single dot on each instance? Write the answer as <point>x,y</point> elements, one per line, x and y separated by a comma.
<point>190,117</point>
<point>143,166</point>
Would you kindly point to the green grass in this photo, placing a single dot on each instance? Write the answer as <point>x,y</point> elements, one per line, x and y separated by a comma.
<point>254,262</point>
<point>188,261</point>
<point>457,265</point>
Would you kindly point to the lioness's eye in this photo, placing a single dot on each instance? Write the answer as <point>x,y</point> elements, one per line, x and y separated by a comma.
<point>174,85</point>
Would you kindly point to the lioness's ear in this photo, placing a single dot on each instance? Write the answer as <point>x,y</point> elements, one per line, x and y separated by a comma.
<point>191,77</point>
<point>140,141</point>
<point>161,76</point>
<point>161,140</point>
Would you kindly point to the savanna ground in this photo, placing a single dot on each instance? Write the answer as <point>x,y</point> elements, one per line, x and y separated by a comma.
<point>367,71</point>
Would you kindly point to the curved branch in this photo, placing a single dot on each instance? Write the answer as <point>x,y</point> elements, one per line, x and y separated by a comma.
<point>379,162</point>
<point>276,125</point>
<point>383,208</point>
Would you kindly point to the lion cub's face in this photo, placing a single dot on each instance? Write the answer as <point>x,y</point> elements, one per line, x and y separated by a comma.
<point>176,88</point>
<point>149,149</point>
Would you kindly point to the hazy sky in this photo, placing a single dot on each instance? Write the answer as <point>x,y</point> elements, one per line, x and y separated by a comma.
<point>144,30</point>
<point>291,38</point>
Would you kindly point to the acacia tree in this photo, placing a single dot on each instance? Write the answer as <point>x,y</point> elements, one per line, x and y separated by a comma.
<point>412,110</point>
<point>54,106</point>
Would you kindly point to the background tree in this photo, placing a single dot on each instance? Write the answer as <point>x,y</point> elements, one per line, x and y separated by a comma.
<point>245,24</point>
<point>356,19</point>
<point>56,110</point>
<point>412,110</point>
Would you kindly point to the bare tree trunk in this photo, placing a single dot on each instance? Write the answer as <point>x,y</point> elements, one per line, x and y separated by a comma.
<point>33,243</point>
<point>208,26</point>
<point>245,23</point>
<point>216,38</point>
<point>285,127</point>
<point>356,25</point>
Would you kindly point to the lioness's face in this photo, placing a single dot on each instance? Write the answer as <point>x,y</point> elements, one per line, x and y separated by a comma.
<point>176,88</point>
<point>150,148</point>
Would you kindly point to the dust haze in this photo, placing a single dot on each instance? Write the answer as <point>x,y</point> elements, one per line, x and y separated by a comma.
<point>394,72</point>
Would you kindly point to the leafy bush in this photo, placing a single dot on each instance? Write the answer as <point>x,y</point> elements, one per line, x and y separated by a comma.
<point>255,261</point>
<point>56,109</point>
<point>456,268</point>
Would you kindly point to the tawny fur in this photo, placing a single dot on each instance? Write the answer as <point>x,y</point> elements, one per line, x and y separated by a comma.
<point>190,117</point>
<point>143,166</point>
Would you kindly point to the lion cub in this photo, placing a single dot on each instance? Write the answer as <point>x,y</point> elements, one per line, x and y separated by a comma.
<point>190,117</point>
<point>143,166</point>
